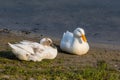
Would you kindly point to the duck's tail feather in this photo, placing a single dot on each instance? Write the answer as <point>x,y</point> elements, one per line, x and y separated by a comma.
<point>11,45</point>
<point>14,48</point>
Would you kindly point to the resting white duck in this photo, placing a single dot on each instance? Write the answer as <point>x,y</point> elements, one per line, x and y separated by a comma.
<point>33,51</point>
<point>75,42</point>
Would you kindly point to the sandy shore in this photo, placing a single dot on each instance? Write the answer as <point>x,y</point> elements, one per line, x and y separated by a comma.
<point>96,54</point>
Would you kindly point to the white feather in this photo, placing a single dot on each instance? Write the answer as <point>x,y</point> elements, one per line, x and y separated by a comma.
<point>73,43</point>
<point>33,51</point>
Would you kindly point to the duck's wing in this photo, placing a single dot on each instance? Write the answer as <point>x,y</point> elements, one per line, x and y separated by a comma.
<point>26,52</point>
<point>26,42</point>
<point>46,53</point>
<point>31,44</point>
<point>69,35</point>
<point>66,40</point>
<point>20,53</point>
<point>21,47</point>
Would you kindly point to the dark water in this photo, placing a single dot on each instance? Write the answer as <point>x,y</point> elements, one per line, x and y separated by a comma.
<point>99,18</point>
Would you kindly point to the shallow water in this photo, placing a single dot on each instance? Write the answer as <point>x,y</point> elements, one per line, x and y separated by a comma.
<point>99,18</point>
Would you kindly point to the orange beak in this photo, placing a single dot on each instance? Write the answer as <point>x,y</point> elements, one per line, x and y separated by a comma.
<point>84,38</point>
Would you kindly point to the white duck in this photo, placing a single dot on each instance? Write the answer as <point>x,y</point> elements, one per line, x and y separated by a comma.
<point>75,42</point>
<point>33,51</point>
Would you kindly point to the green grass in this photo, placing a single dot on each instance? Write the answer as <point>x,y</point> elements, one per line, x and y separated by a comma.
<point>13,69</point>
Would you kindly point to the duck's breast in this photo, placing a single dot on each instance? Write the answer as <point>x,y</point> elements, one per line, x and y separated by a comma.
<point>80,48</point>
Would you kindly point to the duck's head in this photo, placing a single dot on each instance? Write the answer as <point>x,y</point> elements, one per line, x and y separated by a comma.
<point>47,42</point>
<point>80,33</point>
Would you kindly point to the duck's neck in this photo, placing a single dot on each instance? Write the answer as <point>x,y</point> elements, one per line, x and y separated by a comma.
<point>77,40</point>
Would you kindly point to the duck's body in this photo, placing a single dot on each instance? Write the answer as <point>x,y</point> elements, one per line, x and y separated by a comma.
<point>33,51</point>
<point>75,42</point>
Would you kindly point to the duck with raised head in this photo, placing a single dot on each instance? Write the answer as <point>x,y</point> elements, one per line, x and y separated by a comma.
<point>75,43</point>
<point>33,51</point>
